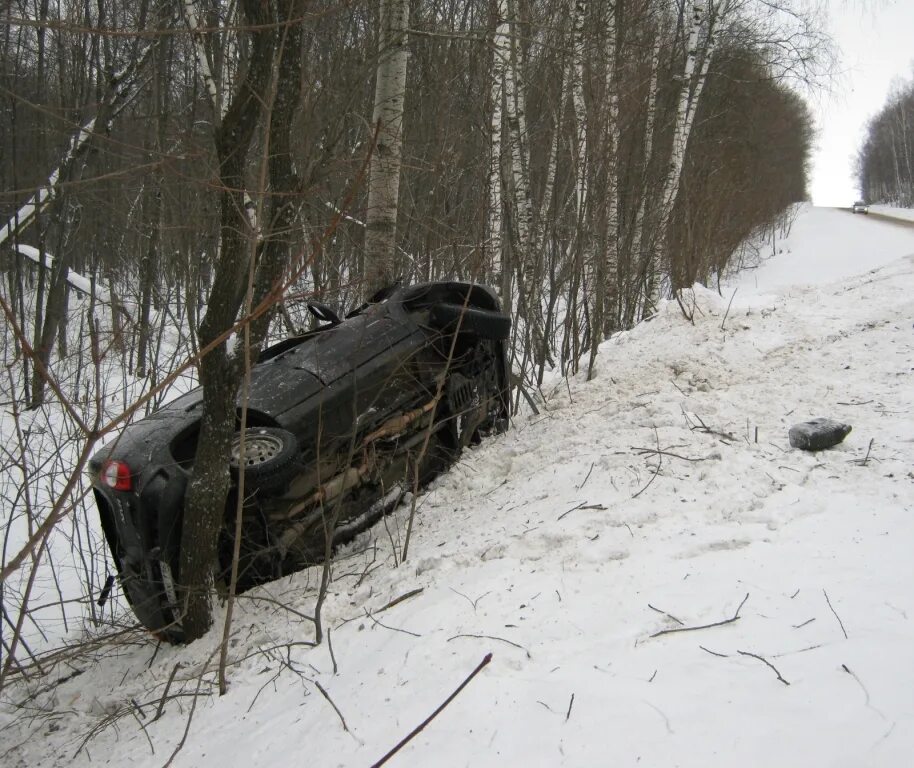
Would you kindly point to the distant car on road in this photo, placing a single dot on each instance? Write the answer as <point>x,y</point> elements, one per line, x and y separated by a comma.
<point>860,207</point>
<point>341,423</point>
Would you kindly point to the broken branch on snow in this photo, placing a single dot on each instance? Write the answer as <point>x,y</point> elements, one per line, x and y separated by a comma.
<point>704,626</point>
<point>764,660</point>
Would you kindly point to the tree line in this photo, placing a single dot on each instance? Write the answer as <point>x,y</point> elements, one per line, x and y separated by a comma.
<point>203,162</point>
<point>885,171</point>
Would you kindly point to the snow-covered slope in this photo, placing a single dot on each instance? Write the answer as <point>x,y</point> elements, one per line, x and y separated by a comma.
<point>663,495</point>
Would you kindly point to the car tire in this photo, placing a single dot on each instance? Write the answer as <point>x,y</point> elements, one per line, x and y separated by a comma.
<point>484,323</point>
<point>269,458</point>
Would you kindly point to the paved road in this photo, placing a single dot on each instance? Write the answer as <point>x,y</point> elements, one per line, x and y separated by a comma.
<point>883,217</point>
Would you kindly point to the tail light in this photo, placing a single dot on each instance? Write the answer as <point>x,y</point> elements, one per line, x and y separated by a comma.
<point>116,475</point>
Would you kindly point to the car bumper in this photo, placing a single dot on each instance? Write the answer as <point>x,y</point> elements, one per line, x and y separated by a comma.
<point>143,532</point>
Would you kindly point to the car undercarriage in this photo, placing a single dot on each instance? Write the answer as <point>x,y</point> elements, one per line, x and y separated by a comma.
<point>341,423</point>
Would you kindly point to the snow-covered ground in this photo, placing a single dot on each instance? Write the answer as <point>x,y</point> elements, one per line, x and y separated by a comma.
<point>663,495</point>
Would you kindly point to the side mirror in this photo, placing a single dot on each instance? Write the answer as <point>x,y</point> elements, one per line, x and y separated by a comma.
<point>323,313</point>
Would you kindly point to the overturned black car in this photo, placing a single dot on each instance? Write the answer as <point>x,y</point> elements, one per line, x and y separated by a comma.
<point>341,422</point>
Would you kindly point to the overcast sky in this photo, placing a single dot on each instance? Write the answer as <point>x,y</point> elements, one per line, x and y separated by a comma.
<point>876,41</point>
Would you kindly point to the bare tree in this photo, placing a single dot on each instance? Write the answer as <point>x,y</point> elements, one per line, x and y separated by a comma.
<point>221,368</point>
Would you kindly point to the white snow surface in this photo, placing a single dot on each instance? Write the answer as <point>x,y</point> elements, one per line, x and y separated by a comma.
<point>662,495</point>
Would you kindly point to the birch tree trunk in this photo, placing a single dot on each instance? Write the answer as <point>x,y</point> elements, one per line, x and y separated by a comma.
<point>493,244</point>
<point>516,114</point>
<point>609,289</point>
<point>204,63</point>
<point>639,261</point>
<point>691,87</point>
<point>384,179</point>
<point>588,266</point>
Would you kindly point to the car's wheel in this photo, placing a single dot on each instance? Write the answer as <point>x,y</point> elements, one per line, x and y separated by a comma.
<point>484,323</point>
<point>268,460</point>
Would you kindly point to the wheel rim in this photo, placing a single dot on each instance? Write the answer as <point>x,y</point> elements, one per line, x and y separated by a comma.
<point>259,448</point>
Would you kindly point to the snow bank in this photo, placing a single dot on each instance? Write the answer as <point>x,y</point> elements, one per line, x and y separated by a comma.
<point>906,214</point>
<point>578,548</point>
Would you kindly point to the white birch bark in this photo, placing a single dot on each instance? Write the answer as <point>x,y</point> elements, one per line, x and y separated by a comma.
<point>203,60</point>
<point>74,279</point>
<point>586,265</point>
<point>515,101</point>
<point>551,168</point>
<point>638,223</point>
<point>218,88</point>
<point>228,71</point>
<point>714,19</point>
<point>683,107</point>
<point>26,213</point>
<point>495,218</point>
<point>611,287</point>
<point>384,178</point>
<point>687,106</point>
<point>580,113</point>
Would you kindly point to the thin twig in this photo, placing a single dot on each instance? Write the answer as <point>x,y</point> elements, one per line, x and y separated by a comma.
<point>395,629</point>
<point>587,477</point>
<point>274,601</point>
<point>335,707</point>
<point>332,657</point>
<point>704,626</point>
<point>642,451</point>
<point>473,602</point>
<point>403,742</point>
<point>668,615</point>
<point>863,462</point>
<point>398,600</point>
<point>763,659</point>
<point>171,678</point>
<point>142,726</point>
<point>684,394</point>
<point>714,653</point>
<point>577,506</point>
<point>493,637</point>
<point>836,614</point>
<point>866,693</point>
<point>657,470</point>
<point>705,428</point>
<point>733,296</point>
<point>570,705</point>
